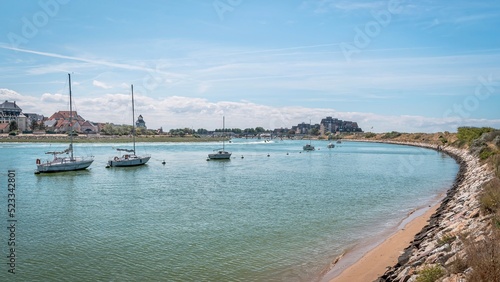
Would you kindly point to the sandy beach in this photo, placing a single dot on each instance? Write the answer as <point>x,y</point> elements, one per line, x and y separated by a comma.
<point>375,262</point>
<point>423,240</point>
<point>370,262</point>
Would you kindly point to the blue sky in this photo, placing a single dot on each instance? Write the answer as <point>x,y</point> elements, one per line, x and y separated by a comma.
<point>412,66</point>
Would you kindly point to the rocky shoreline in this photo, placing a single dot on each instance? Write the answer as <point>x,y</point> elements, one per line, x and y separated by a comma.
<point>439,243</point>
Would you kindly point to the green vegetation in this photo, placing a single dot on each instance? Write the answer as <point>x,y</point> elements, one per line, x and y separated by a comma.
<point>443,139</point>
<point>482,259</point>
<point>430,273</point>
<point>34,124</point>
<point>391,135</point>
<point>485,153</point>
<point>481,141</point>
<point>483,256</point>
<point>111,129</point>
<point>370,135</point>
<point>13,128</point>
<point>120,130</point>
<point>315,131</point>
<point>468,134</point>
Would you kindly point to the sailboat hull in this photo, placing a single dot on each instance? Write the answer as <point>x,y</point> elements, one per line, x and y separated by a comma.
<point>308,147</point>
<point>64,164</point>
<point>129,161</point>
<point>221,155</point>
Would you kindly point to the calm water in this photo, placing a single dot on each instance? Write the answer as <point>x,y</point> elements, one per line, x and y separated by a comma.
<point>257,218</point>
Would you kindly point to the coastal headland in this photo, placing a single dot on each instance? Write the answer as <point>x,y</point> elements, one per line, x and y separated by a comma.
<point>443,241</point>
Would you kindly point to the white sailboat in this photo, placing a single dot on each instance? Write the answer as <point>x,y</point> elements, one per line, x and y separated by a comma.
<point>70,163</point>
<point>129,159</point>
<point>221,154</point>
<point>308,147</point>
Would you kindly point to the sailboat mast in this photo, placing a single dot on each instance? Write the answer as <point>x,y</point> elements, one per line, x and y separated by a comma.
<point>310,130</point>
<point>70,118</point>
<point>133,116</point>
<point>223,131</point>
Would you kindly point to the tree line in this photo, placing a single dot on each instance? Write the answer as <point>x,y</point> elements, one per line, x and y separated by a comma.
<point>203,131</point>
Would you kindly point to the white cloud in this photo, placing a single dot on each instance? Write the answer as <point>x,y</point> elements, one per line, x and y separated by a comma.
<point>179,112</point>
<point>27,103</point>
<point>54,98</point>
<point>203,87</point>
<point>101,84</point>
<point>325,6</point>
<point>10,95</point>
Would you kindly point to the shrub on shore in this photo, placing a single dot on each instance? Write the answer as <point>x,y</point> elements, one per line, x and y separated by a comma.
<point>443,139</point>
<point>469,134</point>
<point>484,146</point>
<point>483,257</point>
<point>495,164</point>
<point>490,197</point>
<point>446,239</point>
<point>496,141</point>
<point>485,153</point>
<point>430,273</point>
<point>370,135</point>
<point>481,261</point>
<point>391,135</point>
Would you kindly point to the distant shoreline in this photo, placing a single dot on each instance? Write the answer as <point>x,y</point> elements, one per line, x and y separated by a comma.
<point>432,138</point>
<point>92,138</point>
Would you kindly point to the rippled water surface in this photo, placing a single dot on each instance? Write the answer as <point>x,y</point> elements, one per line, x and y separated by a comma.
<point>281,217</point>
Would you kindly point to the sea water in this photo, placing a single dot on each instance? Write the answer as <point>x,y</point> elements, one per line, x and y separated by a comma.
<point>271,213</point>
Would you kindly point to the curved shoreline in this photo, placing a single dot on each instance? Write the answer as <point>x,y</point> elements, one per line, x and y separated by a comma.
<point>385,261</point>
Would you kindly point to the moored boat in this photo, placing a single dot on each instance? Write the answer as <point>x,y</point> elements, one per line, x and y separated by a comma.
<point>308,147</point>
<point>71,163</point>
<point>129,159</point>
<point>221,154</point>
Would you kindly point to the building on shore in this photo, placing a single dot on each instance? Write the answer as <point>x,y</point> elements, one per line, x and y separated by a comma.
<point>333,125</point>
<point>4,127</point>
<point>304,128</point>
<point>140,123</point>
<point>9,112</point>
<point>34,120</point>
<point>59,122</point>
<point>327,126</point>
